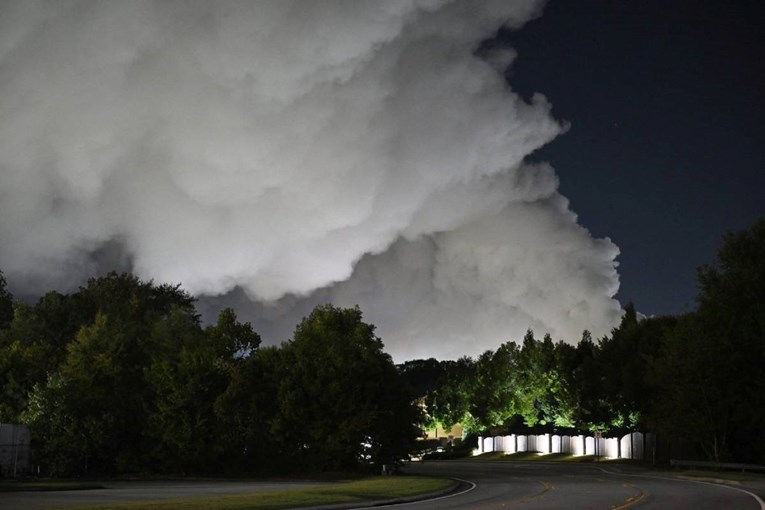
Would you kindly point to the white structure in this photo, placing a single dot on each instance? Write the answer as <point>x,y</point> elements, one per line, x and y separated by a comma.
<point>589,446</point>
<point>630,446</point>
<point>577,445</point>
<point>509,444</point>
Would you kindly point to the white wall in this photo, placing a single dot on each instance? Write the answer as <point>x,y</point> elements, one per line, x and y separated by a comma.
<point>631,446</point>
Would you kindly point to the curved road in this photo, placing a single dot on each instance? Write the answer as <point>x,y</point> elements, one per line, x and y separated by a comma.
<point>493,486</point>
<point>538,485</point>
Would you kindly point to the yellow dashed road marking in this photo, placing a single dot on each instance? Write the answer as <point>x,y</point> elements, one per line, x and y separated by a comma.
<point>632,500</point>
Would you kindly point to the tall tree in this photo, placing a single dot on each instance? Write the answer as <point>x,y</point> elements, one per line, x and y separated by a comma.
<point>33,345</point>
<point>422,374</point>
<point>187,372</point>
<point>98,398</point>
<point>230,338</point>
<point>341,398</point>
<point>698,389</point>
<point>624,359</point>
<point>538,379</point>
<point>248,412</point>
<point>593,411</point>
<point>711,374</point>
<point>451,401</point>
<point>76,415</point>
<point>188,377</point>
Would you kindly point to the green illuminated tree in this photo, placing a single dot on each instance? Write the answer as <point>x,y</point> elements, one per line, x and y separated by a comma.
<point>451,401</point>
<point>500,388</point>
<point>76,414</point>
<point>32,345</point>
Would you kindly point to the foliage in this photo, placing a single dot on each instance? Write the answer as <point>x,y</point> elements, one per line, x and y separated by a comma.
<point>91,413</point>
<point>120,376</point>
<point>422,375</point>
<point>711,371</point>
<point>448,404</point>
<point>184,383</point>
<point>732,310</point>
<point>341,400</point>
<point>698,377</point>
<point>32,346</point>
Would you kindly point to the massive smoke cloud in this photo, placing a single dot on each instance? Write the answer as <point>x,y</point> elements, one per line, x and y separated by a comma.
<point>295,152</point>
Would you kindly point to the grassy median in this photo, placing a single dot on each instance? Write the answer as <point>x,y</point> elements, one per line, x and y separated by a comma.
<point>551,457</point>
<point>360,491</point>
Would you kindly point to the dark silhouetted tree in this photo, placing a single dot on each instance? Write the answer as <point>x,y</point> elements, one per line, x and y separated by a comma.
<point>712,371</point>
<point>6,303</point>
<point>340,396</point>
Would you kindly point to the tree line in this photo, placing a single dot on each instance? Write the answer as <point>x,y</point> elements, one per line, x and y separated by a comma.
<point>121,376</point>
<point>697,380</point>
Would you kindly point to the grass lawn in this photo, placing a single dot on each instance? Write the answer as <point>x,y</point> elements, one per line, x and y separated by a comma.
<point>359,491</point>
<point>733,476</point>
<point>550,457</point>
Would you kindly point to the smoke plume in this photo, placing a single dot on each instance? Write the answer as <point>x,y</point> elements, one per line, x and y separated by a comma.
<point>295,152</point>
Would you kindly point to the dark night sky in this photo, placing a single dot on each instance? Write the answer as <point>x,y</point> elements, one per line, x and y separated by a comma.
<point>665,150</point>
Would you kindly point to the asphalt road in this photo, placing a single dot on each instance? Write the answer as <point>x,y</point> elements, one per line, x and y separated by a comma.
<point>489,485</point>
<point>134,491</point>
<point>537,485</point>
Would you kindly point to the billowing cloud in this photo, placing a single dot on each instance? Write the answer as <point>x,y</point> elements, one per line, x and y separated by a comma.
<point>353,151</point>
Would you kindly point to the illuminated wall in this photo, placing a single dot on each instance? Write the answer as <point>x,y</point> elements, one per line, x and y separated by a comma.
<point>630,446</point>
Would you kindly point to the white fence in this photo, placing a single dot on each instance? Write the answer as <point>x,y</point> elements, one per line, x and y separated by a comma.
<point>630,446</point>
